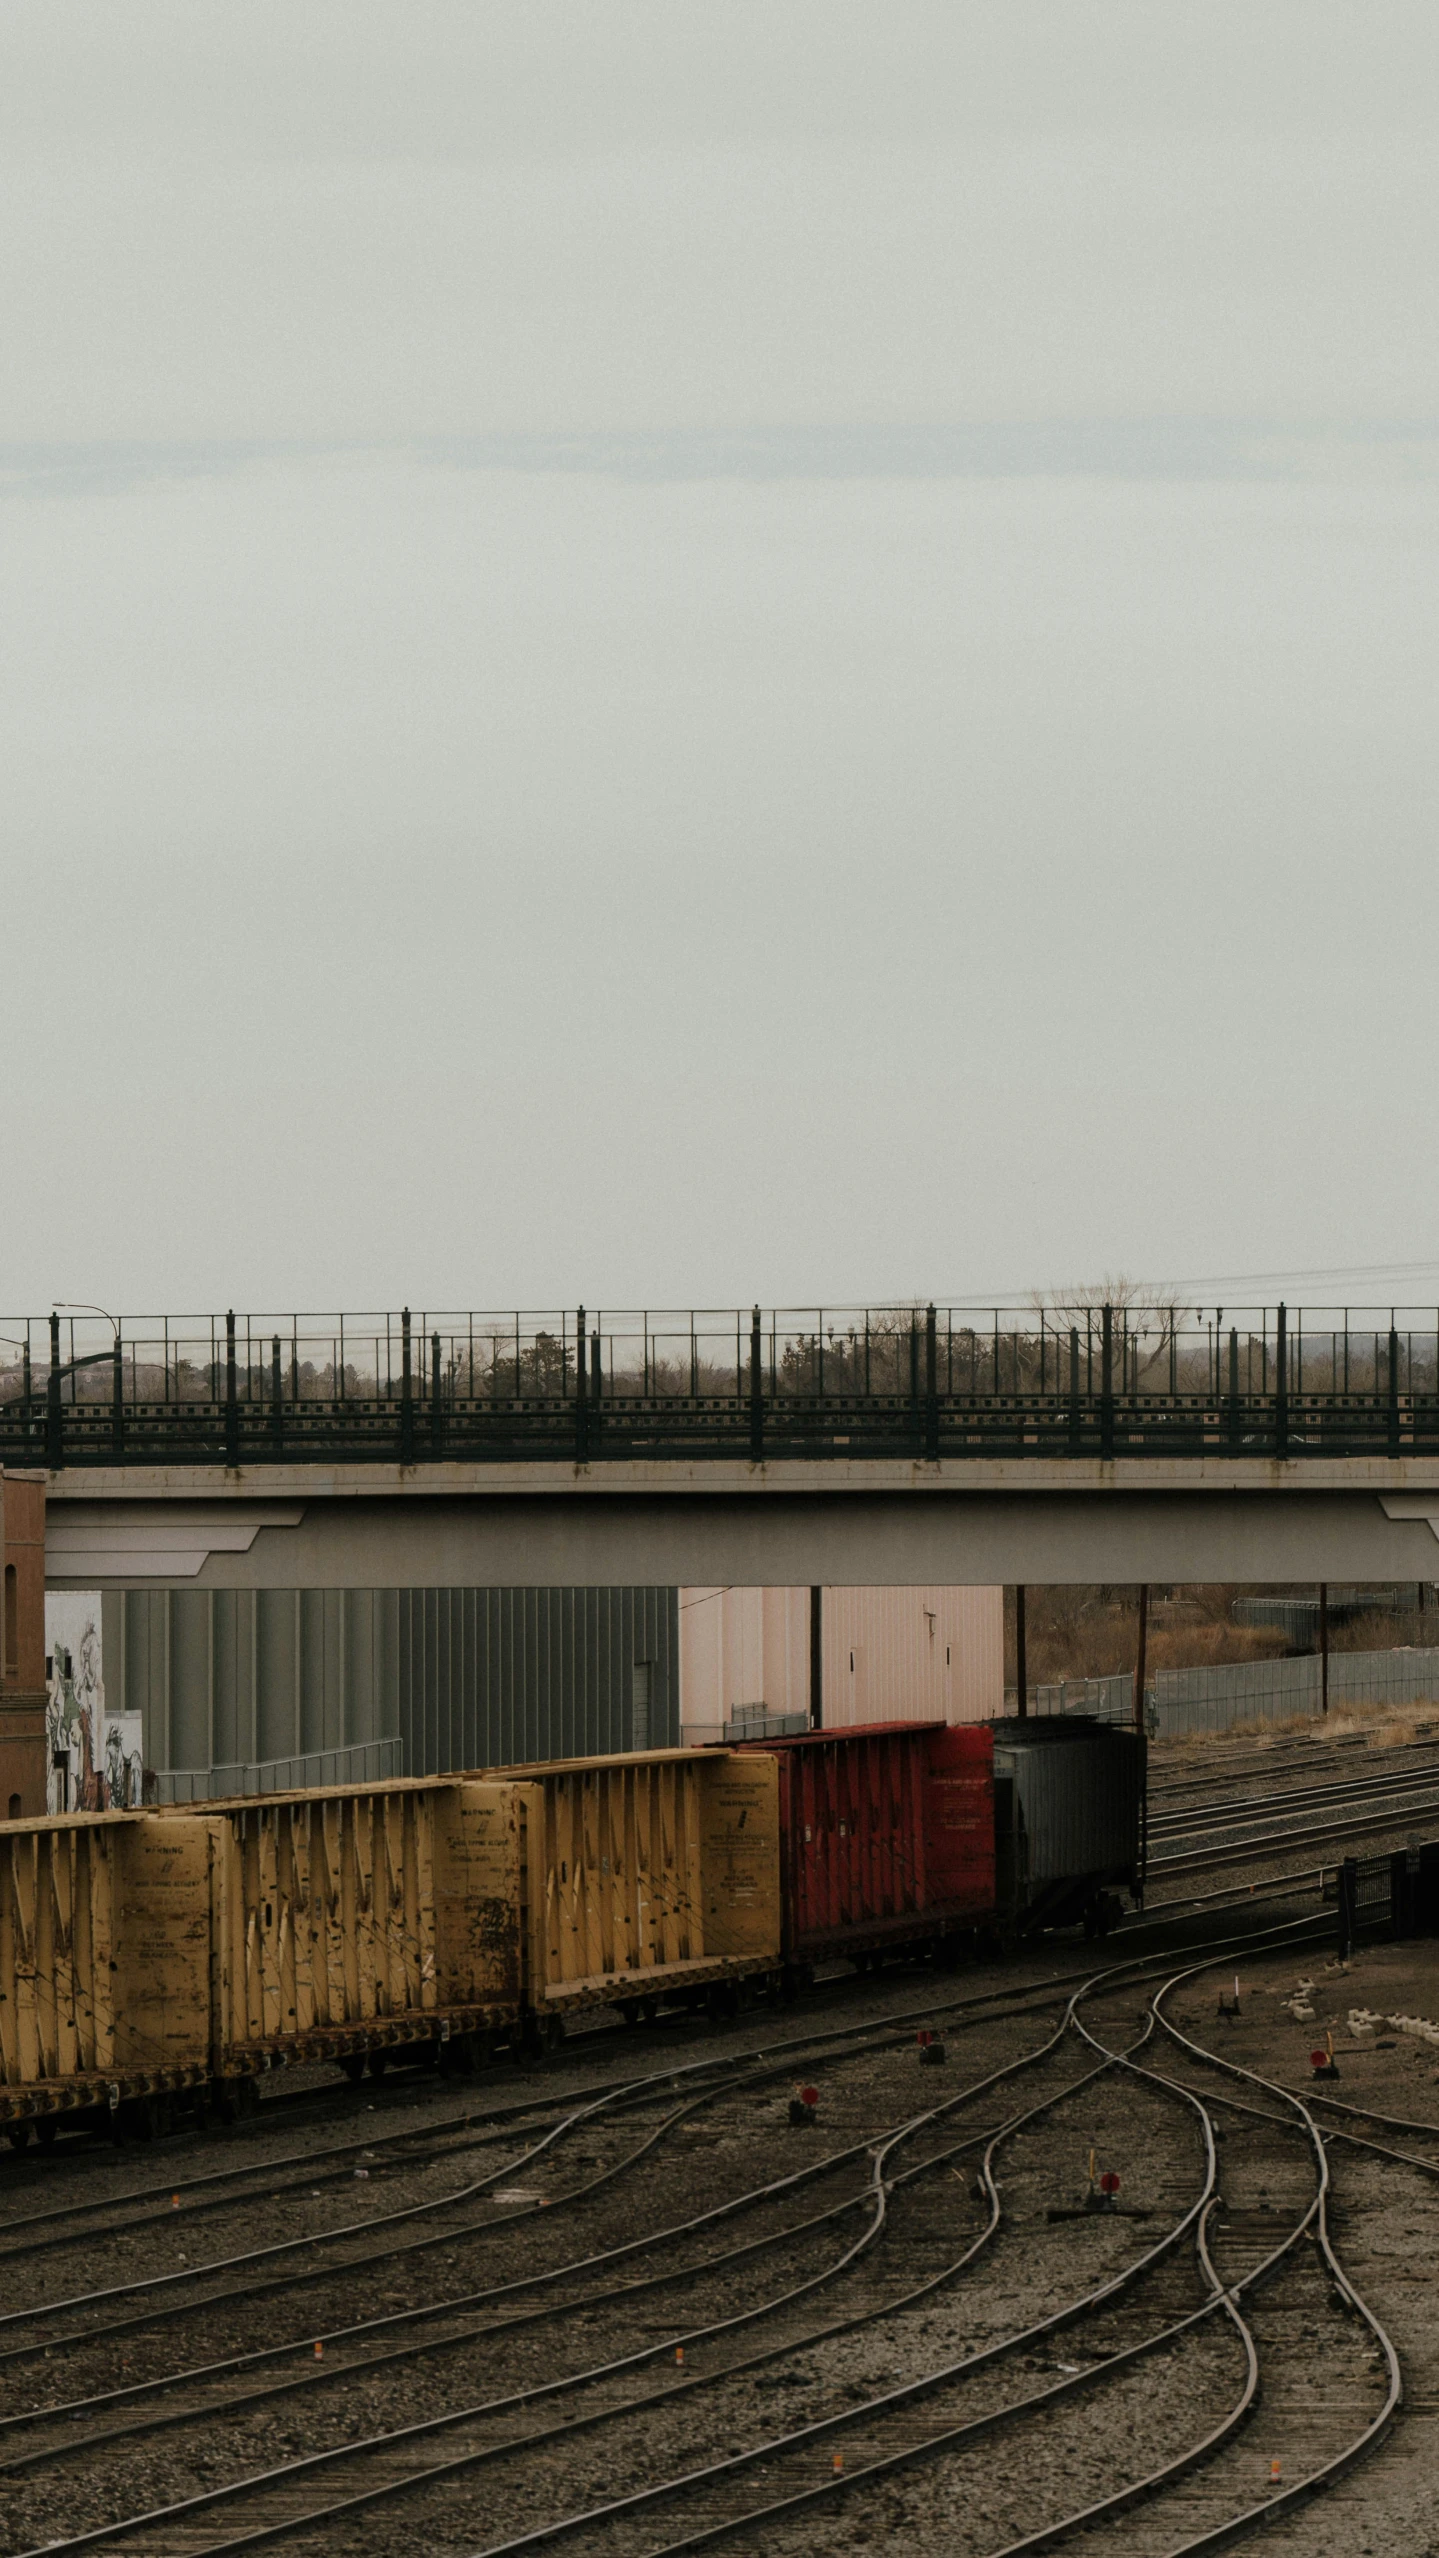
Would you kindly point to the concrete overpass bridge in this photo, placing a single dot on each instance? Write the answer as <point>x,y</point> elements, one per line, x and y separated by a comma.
<point>879,1445</point>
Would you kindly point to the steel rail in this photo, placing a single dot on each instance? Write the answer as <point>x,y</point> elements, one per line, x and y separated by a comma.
<point>428,2426</point>
<point>1110,1978</point>
<point>1265,1758</point>
<point>1226,1811</point>
<point>310,2238</point>
<point>1108,1981</point>
<point>309,2167</point>
<point>1278,1887</point>
<point>1368,2114</point>
<point>323,2373</point>
<point>1099,2296</point>
<point>1222,2297</point>
<point>155,2316</point>
<point>1252,1851</point>
<point>395,2318</point>
<point>432,2131</point>
<point>1276,1761</point>
<point>778,2059</point>
<point>1289,2498</point>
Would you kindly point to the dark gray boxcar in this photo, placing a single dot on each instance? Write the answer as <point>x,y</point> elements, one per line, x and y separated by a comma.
<point>1069,1819</point>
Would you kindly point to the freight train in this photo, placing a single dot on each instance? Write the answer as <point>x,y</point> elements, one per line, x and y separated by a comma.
<point>160,1961</point>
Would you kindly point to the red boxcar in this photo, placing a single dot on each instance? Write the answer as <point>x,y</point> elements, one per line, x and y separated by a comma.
<point>886,1835</point>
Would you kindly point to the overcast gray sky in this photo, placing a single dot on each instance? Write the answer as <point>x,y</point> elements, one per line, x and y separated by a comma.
<point>671,653</point>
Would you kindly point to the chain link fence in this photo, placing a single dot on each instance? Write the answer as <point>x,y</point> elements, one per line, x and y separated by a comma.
<point>1181,1701</point>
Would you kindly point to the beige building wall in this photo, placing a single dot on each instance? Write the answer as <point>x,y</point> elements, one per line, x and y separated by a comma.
<point>741,1647</point>
<point>890,1655</point>
<point>928,1655</point>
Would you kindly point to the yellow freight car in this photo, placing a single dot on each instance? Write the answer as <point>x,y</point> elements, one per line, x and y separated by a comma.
<point>105,1958</point>
<point>146,1954</point>
<point>649,1878</point>
<point>359,1920</point>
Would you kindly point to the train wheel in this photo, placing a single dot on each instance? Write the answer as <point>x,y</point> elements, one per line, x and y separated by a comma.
<point>47,2131</point>
<point>18,2135</point>
<point>377,2064</point>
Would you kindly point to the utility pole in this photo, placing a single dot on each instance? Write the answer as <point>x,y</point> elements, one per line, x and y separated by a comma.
<point>1021,1666</point>
<point>1323,1647</point>
<point>1140,1656</point>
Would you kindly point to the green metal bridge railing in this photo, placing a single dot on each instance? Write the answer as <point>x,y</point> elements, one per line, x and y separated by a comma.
<point>921,1382</point>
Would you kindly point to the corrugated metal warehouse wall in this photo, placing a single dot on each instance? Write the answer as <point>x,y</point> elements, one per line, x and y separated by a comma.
<point>465,1678</point>
<point>487,1677</point>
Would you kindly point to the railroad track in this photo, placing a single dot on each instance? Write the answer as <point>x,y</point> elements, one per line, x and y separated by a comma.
<point>436,2324</point>
<point>1223,1832</point>
<point>1155,2293</point>
<point>886,2029</point>
<point>820,2292</point>
<point>1281,1758</point>
<point>1378,1787</point>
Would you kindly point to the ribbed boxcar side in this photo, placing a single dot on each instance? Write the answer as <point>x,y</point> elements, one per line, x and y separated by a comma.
<point>886,1835</point>
<point>959,1818</point>
<point>362,1918</point>
<point>105,1944</point>
<point>650,1876</point>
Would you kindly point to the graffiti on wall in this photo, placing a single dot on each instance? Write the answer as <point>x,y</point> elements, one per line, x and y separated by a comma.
<point>95,1760</point>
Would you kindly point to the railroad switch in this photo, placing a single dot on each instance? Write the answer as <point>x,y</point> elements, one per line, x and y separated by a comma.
<point>931,2049</point>
<point>1323,2063</point>
<point>803,2108</point>
<point>1229,2007</point>
<point>1103,2196</point>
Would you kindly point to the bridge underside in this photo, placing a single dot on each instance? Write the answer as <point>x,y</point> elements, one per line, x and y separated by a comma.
<point>453,1526</point>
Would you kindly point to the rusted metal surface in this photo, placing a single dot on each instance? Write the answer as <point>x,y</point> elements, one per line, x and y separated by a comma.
<point>144,1953</point>
<point>648,1874</point>
<point>364,1915</point>
<point>104,1958</point>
